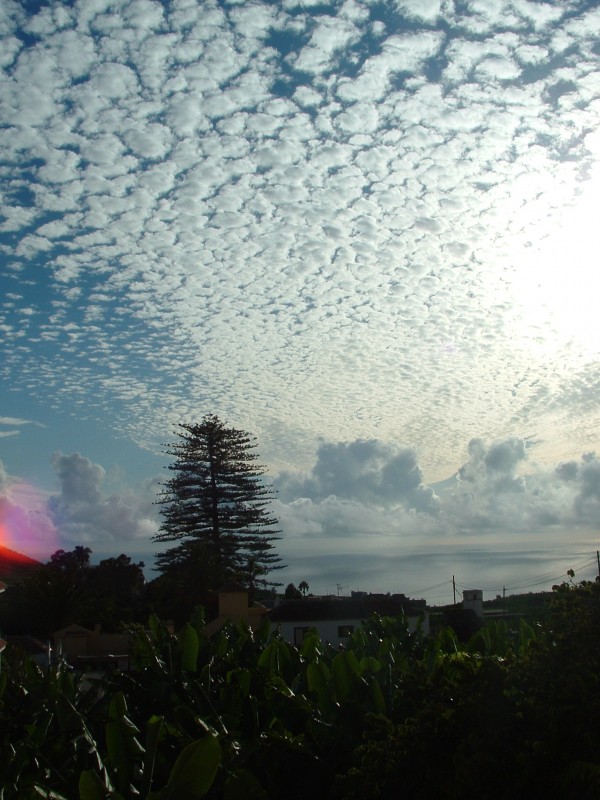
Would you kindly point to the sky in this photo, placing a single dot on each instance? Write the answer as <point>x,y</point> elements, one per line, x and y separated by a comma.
<point>365,232</point>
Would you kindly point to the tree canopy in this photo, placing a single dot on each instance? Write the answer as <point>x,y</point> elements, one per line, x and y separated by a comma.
<point>215,510</point>
<point>69,589</point>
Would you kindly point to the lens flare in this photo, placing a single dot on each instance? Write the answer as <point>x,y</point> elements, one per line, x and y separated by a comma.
<point>25,525</point>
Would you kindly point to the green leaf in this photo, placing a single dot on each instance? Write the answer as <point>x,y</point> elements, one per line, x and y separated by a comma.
<point>526,635</point>
<point>153,731</point>
<point>242,677</point>
<point>263,633</point>
<point>377,695</point>
<point>91,787</point>
<point>194,771</point>
<point>121,732</point>
<point>243,785</point>
<point>198,618</point>
<point>318,678</point>
<point>118,706</point>
<point>277,683</point>
<point>69,719</point>
<point>269,658</point>
<point>275,657</point>
<point>369,664</point>
<point>155,625</point>
<point>344,667</point>
<point>221,643</point>
<point>448,640</point>
<point>124,750</point>
<point>47,794</point>
<point>311,649</point>
<point>190,646</point>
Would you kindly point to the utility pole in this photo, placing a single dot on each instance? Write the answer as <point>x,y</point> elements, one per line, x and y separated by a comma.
<point>2,642</point>
<point>504,601</point>
<point>598,559</point>
<point>454,589</point>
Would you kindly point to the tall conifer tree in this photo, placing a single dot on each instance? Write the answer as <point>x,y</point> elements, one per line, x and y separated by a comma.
<point>215,509</point>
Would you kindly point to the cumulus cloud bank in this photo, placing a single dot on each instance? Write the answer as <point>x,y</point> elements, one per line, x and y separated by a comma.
<point>362,513</point>
<point>368,472</point>
<point>367,487</point>
<point>82,513</point>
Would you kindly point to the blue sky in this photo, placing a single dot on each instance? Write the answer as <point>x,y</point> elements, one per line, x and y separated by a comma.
<point>363,231</point>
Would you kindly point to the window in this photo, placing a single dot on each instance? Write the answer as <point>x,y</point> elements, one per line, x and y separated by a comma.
<point>299,634</point>
<point>344,631</point>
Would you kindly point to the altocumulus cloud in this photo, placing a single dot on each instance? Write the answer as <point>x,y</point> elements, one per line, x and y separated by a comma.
<point>247,205</point>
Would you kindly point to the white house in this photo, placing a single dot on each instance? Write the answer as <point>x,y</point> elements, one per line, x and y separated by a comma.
<point>473,601</point>
<point>337,618</point>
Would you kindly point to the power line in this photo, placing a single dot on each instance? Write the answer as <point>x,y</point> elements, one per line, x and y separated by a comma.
<point>539,579</point>
<point>536,581</point>
<point>427,588</point>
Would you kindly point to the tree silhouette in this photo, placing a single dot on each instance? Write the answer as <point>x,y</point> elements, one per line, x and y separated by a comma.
<point>304,587</point>
<point>214,508</point>
<point>55,594</point>
<point>68,589</point>
<point>117,585</point>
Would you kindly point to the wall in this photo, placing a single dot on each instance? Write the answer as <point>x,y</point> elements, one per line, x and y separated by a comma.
<point>328,629</point>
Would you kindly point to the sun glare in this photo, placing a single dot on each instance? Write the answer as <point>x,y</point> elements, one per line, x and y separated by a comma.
<point>556,283</point>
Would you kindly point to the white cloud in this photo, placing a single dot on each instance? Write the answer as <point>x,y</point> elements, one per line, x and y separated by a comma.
<point>358,118</point>
<point>368,489</point>
<point>541,14</point>
<point>83,513</point>
<point>498,67</point>
<point>364,471</point>
<point>340,258</point>
<point>427,10</point>
<point>17,421</point>
<point>329,36</point>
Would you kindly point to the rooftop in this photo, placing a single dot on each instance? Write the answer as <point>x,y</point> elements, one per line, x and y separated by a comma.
<point>321,608</point>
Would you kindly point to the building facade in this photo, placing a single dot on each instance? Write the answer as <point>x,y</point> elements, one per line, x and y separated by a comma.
<point>336,618</point>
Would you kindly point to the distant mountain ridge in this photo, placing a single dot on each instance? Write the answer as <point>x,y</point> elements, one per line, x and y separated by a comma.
<point>12,562</point>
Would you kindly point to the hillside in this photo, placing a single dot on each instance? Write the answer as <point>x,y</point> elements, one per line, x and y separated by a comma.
<point>532,606</point>
<point>14,563</point>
